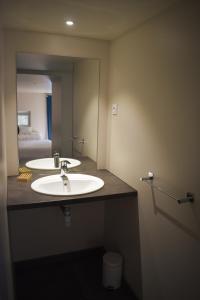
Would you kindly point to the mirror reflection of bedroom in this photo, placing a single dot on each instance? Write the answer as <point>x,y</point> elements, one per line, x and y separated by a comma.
<point>57,106</point>
<point>34,118</point>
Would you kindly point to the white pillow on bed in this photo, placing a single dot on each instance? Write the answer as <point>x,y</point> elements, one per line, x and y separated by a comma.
<point>29,137</point>
<point>25,130</point>
<point>34,135</point>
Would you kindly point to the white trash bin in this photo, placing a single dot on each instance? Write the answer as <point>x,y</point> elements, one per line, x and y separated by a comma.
<point>112,270</point>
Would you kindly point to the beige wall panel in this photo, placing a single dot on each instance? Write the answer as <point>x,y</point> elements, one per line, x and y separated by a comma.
<point>154,78</point>
<point>6,287</point>
<point>85,107</point>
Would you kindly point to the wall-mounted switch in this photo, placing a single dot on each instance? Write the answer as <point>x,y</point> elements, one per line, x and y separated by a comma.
<point>115,109</point>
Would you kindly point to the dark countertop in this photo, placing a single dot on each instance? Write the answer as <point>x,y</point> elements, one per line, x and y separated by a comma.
<point>21,196</point>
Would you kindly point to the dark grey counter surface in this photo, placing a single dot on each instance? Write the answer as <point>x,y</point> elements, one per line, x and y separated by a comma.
<point>21,196</point>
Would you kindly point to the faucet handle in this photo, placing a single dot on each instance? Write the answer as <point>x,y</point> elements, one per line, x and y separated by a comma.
<point>56,153</point>
<point>64,165</point>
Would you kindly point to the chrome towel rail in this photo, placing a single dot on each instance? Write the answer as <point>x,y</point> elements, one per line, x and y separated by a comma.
<point>149,180</point>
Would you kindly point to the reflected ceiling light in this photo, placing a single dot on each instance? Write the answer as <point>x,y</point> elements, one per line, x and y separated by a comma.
<point>69,23</point>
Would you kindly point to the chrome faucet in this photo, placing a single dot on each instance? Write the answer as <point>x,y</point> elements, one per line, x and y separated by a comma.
<point>56,157</point>
<point>64,170</point>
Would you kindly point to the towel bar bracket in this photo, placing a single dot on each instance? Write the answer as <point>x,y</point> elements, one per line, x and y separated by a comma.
<point>189,198</point>
<point>149,177</point>
<point>149,180</point>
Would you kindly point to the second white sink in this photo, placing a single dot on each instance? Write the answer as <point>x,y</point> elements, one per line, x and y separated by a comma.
<point>48,163</point>
<point>78,184</point>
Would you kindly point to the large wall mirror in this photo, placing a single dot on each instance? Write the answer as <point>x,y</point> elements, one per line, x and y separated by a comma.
<point>57,106</point>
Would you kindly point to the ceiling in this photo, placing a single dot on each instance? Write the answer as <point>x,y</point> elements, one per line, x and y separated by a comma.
<point>100,19</point>
<point>33,84</point>
<point>43,62</point>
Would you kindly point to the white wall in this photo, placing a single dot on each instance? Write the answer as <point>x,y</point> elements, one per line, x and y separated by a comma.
<point>66,114</point>
<point>154,77</point>
<point>32,42</point>
<point>6,291</point>
<point>85,106</point>
<point>56,114</point>
<point>33,83</point>
<point>36,104</point>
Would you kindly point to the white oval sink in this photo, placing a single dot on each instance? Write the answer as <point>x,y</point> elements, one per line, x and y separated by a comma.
<point>48,163</point>
<point>78,184</point>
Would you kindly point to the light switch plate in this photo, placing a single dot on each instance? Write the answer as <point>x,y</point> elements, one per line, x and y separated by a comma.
<point>115,109</point>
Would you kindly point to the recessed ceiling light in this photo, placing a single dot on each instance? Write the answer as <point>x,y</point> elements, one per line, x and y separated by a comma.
<point>69,23</point>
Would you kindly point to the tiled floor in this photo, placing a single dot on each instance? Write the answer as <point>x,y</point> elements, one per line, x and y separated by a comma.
<point>66,278</point>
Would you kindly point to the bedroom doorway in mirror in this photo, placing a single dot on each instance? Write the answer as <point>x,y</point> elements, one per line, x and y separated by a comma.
<point>34,116</point>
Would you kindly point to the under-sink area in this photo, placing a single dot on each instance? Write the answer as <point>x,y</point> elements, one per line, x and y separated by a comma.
<point>63,229</point>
